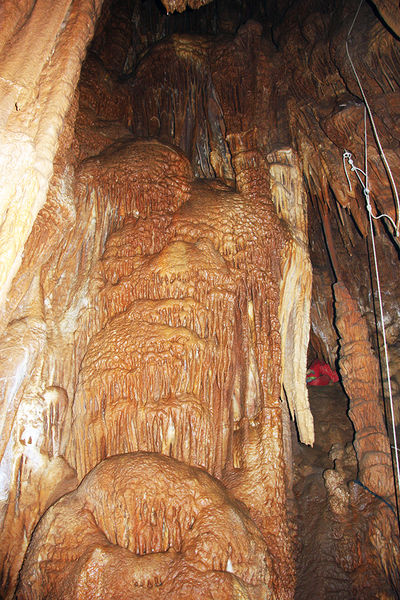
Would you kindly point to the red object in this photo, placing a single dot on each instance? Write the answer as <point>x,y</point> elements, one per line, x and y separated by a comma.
<point>319,373</point>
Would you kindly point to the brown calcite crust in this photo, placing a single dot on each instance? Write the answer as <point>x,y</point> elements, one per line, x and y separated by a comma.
<point>172,531</point>
<point>389,11</point>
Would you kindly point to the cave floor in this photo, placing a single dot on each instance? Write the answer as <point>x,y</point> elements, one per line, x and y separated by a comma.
<point>319,575</point>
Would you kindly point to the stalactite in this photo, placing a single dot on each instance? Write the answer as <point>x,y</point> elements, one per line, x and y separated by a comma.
<point>289,197</point>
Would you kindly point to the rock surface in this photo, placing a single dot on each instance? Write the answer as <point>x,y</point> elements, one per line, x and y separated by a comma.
<point>158,222</point>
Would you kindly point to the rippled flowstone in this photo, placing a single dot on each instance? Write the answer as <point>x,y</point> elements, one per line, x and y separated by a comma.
<point>143,525</point>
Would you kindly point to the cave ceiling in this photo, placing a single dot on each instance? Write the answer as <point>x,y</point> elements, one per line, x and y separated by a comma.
<point>183,230</point>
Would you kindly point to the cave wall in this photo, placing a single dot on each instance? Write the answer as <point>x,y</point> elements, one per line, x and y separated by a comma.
<point>124,250</point>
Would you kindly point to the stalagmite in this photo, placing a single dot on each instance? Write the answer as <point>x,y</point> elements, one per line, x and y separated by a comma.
<point>173,528</point>
<point>360,379</point>
<point>182,328</point>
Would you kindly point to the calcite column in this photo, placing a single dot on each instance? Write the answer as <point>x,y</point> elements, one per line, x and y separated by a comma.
<point>281,347</point>
<point>359,369</point>
<point>374,530</point>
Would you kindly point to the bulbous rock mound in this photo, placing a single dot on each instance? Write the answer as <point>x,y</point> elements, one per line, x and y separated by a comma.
<point>146,526</point>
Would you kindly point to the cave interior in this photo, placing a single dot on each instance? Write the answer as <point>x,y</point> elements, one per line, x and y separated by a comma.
<point>189,202</point>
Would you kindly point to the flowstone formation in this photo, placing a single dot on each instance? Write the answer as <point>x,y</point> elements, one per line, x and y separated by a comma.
<point>146,526</point>
<point>182,359</point>
<point>188,299</point>
<point>186,359</point>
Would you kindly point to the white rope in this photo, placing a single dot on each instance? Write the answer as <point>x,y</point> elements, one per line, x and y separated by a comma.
<point>364,184</point>
<point>378,283</point>
<point>396,225</point>
<point>347,156</point>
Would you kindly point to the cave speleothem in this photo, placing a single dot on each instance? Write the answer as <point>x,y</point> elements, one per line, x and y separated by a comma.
<point>182,233</point>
